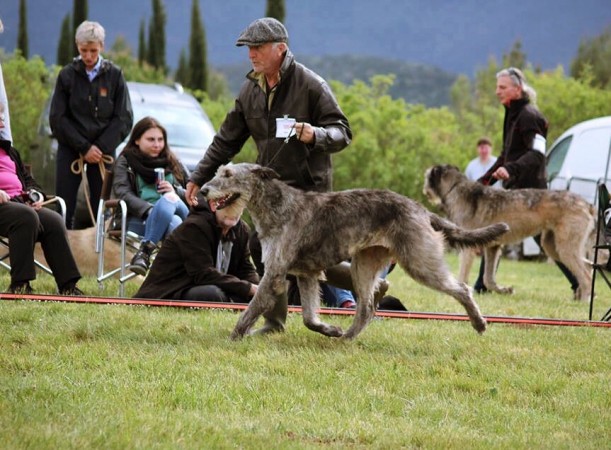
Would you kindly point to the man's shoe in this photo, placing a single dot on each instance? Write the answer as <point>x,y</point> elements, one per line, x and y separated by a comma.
<point>142,259</point>
<point>20,287</point>
<point>72,291</point>
<point>391,303</point>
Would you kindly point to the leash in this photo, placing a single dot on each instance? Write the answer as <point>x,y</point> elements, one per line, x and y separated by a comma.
<point>78,168</point>
<point>286,141</point>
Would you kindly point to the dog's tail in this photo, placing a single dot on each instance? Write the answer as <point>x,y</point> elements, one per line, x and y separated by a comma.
<point>460,238</point>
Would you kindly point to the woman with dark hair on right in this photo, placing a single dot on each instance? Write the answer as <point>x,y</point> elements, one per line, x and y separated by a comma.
<point>155,205</point>
<point>522,162</point>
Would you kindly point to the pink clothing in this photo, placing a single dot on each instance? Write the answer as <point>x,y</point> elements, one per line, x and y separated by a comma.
<point>9,181</point>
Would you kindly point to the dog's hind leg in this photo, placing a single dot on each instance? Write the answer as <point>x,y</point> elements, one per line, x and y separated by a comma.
<point>365,268</point>
<point>431,271</point>
<point>492,256</point>
<point>310,303</point>
<point>270,297</point>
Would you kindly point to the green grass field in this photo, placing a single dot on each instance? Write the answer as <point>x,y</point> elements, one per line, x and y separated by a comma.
<point>116,377</point>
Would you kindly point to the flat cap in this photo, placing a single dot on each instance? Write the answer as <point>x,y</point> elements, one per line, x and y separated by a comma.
<point>262,31</point>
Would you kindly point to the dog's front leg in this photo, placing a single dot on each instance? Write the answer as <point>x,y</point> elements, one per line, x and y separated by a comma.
<point>270,301</point>
<point>465,259</point>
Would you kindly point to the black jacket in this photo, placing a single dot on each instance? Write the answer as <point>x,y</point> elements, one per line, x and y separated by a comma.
<point>86,112</point>
<point>301,94</point>
<point>526,166</point>
<point>188,258</point>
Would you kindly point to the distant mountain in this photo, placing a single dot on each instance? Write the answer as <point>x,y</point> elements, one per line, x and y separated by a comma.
<point>455,36</point>
<point>416,83</point>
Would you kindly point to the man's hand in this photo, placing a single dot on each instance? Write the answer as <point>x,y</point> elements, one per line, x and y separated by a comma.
<point>501,174</point>
<point>253,290</point>
<point>191,193</point>
<point>305,132</point>
<point>4,198</point>
<point>93,155</point>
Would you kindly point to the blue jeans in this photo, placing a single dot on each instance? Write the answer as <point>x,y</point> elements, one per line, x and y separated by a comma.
<point>334,297</point>
<point>165,216</point>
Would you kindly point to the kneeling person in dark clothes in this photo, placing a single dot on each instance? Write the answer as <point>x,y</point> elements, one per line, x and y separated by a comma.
<point>206,259</point>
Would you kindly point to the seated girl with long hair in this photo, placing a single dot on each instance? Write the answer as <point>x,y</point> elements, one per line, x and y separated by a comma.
<point>155,208</point>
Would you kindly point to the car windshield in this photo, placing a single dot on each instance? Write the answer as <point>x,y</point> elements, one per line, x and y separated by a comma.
<point>186,127</point>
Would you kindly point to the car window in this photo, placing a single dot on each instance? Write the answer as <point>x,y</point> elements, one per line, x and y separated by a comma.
<point>556,157</point>
<point>186,127</point>
<point>589,155</point>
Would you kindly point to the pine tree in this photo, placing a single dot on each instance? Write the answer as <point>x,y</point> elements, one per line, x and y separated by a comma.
<point>516,57</point>
<point>593,60</point>
<point>182,73</point>
<point>276,9</point>
<point>198,71</point>
<point>156,43</point>
<point>79,15</point>
<point>142,43</point>
<point>65,46</point>
<point>22,33</point>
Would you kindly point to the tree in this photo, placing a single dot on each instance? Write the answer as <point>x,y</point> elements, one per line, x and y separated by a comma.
<point>28,85</point>
<point>79,15</point>
<point>22,33</point>
<point>142,43</point>
<point>156,43</point>
<point>198,71</point>
<point>276,9</point>
<point>65,46</point>
<point>182,72</point>
<point>594,60</point>
<point>121,54</point>
<point>516,57</point>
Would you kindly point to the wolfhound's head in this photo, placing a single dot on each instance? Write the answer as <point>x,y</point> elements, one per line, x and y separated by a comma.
<point>438,180</point>
<point>234,184</point>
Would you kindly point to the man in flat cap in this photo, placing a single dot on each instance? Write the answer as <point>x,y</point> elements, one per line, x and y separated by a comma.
<point>280,98</point>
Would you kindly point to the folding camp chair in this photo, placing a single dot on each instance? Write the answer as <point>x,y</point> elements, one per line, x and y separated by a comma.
<point>111,223</point>
<point>601,267</point>
<point>60,206</point>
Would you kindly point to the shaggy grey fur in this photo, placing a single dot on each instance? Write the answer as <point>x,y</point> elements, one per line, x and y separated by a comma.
<point>303,233</point>
<point>565,221</point>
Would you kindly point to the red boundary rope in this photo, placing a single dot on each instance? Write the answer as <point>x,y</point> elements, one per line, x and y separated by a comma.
<point>297,309</point>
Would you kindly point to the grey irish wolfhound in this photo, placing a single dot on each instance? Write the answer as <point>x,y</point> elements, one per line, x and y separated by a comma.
<point>303,233</point>
<point>565,221</point>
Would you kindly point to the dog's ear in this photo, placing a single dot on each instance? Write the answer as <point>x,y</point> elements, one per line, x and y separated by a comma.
<point>265,173</point>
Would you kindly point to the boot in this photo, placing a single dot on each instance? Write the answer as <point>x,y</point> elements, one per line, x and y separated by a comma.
<point>142,259</point>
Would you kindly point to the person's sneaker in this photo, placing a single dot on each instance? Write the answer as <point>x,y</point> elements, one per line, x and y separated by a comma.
<point>20,287</point>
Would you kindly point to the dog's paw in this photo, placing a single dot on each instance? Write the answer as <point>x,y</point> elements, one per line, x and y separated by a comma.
<point>480,324</point>
<point>333,331</point>
<point>506,290</point>
<point>236,335</point>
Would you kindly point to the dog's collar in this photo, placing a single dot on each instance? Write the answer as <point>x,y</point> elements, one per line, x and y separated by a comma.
<point>452,188</point>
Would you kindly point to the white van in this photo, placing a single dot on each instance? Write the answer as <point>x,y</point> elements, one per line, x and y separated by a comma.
<point>578,161</point>
<point>580,158</point>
